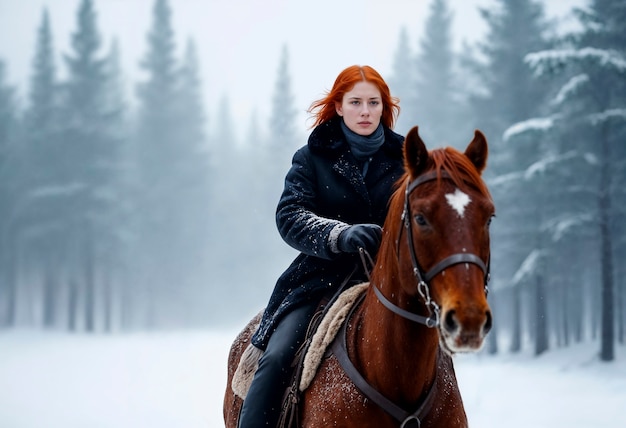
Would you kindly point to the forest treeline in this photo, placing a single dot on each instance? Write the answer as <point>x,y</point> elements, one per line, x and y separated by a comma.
<point>119,215</point>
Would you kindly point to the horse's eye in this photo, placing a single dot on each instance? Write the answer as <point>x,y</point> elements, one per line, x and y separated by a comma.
<point>420,220</point>
<point>490,220</point>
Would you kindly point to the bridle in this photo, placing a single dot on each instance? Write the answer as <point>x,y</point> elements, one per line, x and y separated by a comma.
<point>423,278</point>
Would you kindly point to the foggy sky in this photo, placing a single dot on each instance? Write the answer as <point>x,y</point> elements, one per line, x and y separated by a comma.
<point>239,41</point>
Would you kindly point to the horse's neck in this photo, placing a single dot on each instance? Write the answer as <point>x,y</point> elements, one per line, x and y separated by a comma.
<point>397,356</point>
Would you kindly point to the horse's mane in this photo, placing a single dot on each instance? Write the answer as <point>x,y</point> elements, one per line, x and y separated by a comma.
<point>460,170</point>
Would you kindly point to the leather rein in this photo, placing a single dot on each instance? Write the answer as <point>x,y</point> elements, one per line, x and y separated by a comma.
<point>405,418</point>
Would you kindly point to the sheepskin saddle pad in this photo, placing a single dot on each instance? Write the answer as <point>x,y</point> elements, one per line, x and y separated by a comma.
<point>321,340</point>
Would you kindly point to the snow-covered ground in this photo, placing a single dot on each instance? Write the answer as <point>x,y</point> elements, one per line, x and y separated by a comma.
<point>176,380</point>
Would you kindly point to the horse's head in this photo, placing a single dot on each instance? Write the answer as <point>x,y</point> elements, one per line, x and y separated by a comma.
<point>443,249</point>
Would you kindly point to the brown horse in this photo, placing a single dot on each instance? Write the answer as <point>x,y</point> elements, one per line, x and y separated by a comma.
<point>391,364</point>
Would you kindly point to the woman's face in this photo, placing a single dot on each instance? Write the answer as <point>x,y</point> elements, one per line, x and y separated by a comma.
<point>361,108</point>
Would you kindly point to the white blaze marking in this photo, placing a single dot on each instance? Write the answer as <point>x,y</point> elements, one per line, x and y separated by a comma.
<point>458,201</point>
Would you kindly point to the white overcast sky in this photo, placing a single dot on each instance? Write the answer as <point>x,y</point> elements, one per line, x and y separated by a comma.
<point>239,41</point>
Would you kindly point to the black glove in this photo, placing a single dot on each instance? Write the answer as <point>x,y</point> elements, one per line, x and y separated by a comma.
<point>366,236</point>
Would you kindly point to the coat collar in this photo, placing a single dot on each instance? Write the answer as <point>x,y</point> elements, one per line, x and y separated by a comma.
<point>329,141</point>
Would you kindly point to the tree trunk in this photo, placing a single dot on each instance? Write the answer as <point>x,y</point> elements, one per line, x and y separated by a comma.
<point>607,336</point>
<point>125,301</point>
<point>577,314</point>
<point>48,301</point>
<point>516,320</point>
<point>90,286</point>
<point>541,322</point>
<point>565,310</point>
<point>49,294</point>
<point>107,289</point>
<point>72,307</point>
<point>10,276</point>
<point>621,313</point>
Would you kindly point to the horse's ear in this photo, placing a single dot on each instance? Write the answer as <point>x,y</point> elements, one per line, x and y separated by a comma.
<point>415,153</point>
<point>477,151</point>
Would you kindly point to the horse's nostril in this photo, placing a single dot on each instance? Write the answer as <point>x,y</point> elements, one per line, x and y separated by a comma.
<point>450,321</point>
<point>488,323</point>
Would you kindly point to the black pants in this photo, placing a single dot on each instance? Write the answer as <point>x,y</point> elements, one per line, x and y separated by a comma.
<point>262,405</point>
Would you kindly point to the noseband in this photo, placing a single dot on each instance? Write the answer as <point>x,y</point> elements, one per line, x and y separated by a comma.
<point>423,278</point>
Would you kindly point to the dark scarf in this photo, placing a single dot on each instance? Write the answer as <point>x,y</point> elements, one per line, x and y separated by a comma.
<point>364,146</point>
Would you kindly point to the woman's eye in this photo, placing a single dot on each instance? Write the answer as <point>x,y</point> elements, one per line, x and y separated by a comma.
<point>420,220</point>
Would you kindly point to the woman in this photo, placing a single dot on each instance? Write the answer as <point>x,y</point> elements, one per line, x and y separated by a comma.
<point>334,202</point>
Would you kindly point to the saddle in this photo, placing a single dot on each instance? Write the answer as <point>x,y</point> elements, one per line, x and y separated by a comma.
<point>324,326</point>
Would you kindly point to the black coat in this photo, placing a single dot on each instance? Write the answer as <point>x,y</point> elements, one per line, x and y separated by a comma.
<point>325,191</point>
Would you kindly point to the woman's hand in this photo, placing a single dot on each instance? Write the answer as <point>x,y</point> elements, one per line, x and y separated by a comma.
<point>366,236</point>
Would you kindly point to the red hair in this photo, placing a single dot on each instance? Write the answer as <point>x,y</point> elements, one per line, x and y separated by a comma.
<point>324,109</point>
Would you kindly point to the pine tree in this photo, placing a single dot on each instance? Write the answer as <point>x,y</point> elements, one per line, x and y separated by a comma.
<point>604,30</point>
<point>157,95</point>
<point>114,94</point>
<point>41,138</point>
<point>591,123</point>
<point>283,136</point>
<point>401,83</point>
<point>115,264</point>
<point>33,166</point>
<point>507,94</point>
<point>156,158</point>
<point>192,107</point>
<point>8,197</point>
<point>43,99</point>
<point>267,161</point>
<point>89,175</point>
<point>433,101</point>
<point>8,119</point>
<point>172,181</point>
<point>234,168</point>
<point>194,177</point>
